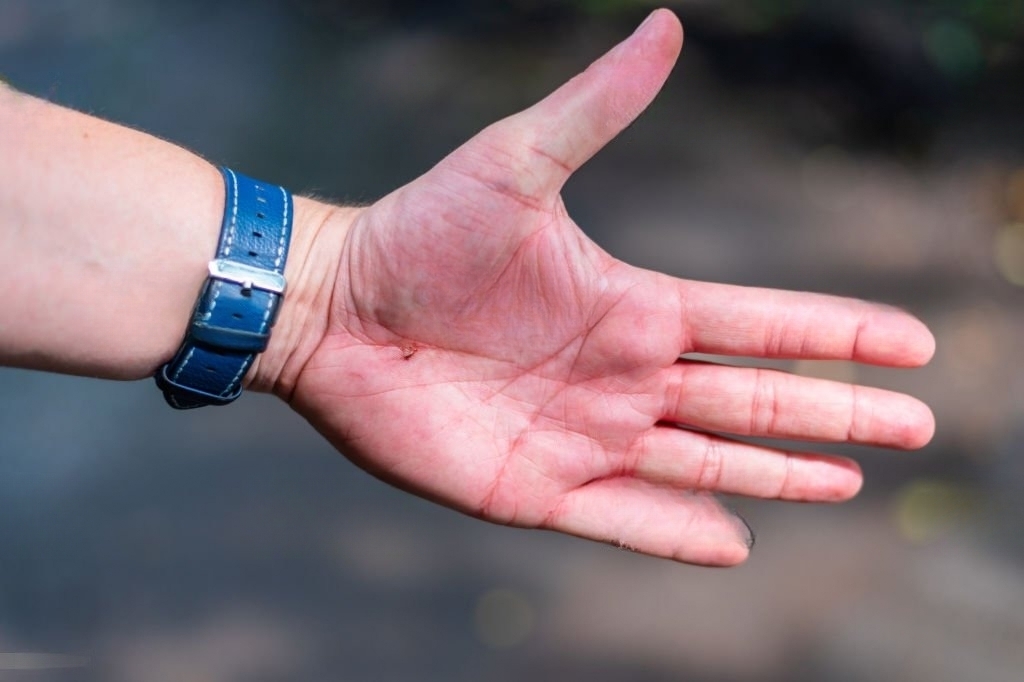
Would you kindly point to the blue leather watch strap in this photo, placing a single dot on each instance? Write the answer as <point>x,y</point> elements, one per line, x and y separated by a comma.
<point>240,300</point>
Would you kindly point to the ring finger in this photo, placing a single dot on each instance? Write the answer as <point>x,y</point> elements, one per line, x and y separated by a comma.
<point>773,404</point>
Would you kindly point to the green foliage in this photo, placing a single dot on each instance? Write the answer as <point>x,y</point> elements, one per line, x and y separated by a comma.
<point>1001,19</point>
<point>954,48</point>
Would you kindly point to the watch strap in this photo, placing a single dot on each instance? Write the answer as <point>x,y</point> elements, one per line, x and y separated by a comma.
<point>240,299</point>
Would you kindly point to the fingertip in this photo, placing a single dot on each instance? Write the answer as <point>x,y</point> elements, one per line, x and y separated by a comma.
<point>922,346</point>
<point>663,26</point>
<point>728,537</point>
<point>823,478</point>
<point>848,479</point>
<point>663,17</point>
<point>896,338</point>
<point>736,552</point>
<point>730,557</point>
<point>726,554</point>
<point>920,426</point>
<point>928,345</point>
<point>927,434</point>
<point>910,425</point>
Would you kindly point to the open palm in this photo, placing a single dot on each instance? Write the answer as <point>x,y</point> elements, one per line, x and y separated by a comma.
<point>482,352</point>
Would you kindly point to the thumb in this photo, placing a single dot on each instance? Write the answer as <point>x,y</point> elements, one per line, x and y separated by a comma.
<point>573,123</point>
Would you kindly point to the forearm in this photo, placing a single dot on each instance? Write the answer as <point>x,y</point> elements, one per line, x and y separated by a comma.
<point>105,236</point>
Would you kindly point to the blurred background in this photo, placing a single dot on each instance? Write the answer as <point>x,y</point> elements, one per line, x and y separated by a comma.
<point>871,149</point>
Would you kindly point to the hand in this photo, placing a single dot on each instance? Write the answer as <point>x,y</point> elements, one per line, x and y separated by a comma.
<point>476,348</point>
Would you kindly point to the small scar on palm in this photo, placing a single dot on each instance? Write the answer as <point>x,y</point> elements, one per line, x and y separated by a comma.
<point>408,350</point>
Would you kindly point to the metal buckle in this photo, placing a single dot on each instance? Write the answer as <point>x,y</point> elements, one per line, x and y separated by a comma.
<point>247,276</point>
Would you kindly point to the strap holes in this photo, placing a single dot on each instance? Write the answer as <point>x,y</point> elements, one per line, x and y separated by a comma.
<point>237,316</point>
<point>209,369</point>
<point>253,254</point>
<point>260,215</point>
<point>258,235</point>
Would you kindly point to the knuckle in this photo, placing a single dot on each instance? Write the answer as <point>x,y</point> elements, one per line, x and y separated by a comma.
<point>855,421</point>
<point>764,408</point>
<point>709,477</point>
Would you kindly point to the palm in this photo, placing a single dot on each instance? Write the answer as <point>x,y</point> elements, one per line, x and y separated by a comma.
<point>489,356</point>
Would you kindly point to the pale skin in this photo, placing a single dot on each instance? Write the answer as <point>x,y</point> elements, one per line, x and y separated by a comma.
<point>462,338</point>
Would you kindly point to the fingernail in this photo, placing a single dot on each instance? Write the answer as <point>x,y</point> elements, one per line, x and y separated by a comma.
<point>750,538</point>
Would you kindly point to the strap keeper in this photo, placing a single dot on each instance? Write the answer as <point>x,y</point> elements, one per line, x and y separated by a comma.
<point>223,338</point>
<point>175,392</point>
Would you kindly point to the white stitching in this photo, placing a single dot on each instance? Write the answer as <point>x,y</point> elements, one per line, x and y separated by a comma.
<point>234,213</point>
<point>282,241</point>
<point>217,287</point>
<point>284,229</point>
<point>241,370</point>
<point>266,313</point>
<point>227,251</point>
<point>188,356</point>
<point>229,242</point>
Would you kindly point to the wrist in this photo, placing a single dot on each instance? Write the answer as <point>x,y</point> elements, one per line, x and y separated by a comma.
<point>318,234</point>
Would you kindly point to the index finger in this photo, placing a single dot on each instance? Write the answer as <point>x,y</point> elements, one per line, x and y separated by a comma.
<point>734,320</point>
